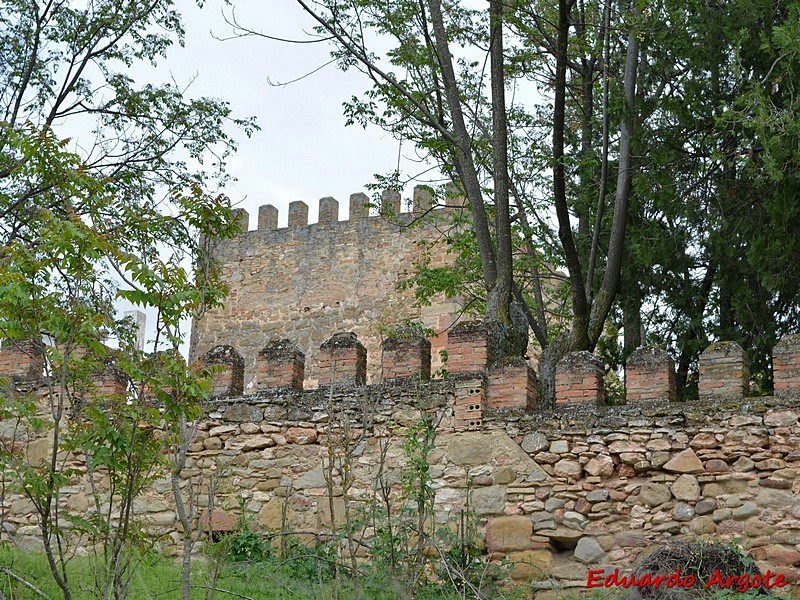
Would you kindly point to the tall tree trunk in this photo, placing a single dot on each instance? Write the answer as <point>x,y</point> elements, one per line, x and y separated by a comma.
<point>608,289</point>
<point>509,338</point>
<point>580,308</point>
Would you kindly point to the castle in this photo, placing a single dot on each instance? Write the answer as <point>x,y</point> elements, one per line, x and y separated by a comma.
<point>305,376</point>
<point>306,280</point>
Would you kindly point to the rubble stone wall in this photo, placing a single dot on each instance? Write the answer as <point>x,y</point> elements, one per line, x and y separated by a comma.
<point>556,492</point>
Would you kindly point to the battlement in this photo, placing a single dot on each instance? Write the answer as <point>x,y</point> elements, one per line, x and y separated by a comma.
<point>360,205</point>
<point>301,281</point>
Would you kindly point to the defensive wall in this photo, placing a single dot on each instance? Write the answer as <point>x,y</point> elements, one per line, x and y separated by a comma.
<point>555,490</point>
<point>306,280</point>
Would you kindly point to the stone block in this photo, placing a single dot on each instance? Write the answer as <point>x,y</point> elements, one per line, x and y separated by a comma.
<point>298,214</point>
<point>579,379</point>
<point>229,379</point>
<point>328,211</point>
<point>511,383</point>
<point>359,206</point>
<point>242,219</point>
<point>507,534</point>
<point>724,372</point>
<point>280,365</point>
<point>649,375</point>
<point>786,366</point>
<point>267,218</point>
<point>468,349</point>
<point>685,461</point>
<point>423,199</point>
<point>390,202</point>
<point>406,356</point>
<point>342,361</point>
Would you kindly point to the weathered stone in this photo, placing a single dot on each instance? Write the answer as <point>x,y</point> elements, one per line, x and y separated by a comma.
<point>506,534</point>
<point>771,498</point>
<point>568,468</point>
<point>243,413</point>
<point>746,510</point>
<point>654,494</point>
<point>686,488</point>
<point>552,504</point>
<point>559,447</point>
<point>589,551</point>
<point>685,461</point>
<point>704,440</point>
<point>470,448</point>
<point>600,466</point>
<point>722,514</point>
<point>781,555</point>
<point>489,500</point>
<point>597,496</point>
<point>504,475</point>
<point>744,465</point>
<point>326,518</point>
<point>530,565</point>
<point>258,442</point>
<point>300,436</point>
<point>212,443</point>
<point>629,539</point>
<point>720,488</point>
<point>770,464</point>
<point>716,465</point>
<point>535,442</point>
<point>311,479</point>
<point>705,507</point>
<point>575,520</point>
<point>682,512</point>
<point>780,418</point>
<point>702,525</point>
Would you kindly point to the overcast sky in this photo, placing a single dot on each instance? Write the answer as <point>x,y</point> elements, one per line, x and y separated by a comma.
<point>303,151</point>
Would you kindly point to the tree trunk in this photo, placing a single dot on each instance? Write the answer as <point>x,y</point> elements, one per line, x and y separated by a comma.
<point>555,351</point>
<point>608,289</point>
<point>508,336</point>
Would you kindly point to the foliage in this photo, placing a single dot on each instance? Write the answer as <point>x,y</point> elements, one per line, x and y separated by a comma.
<point>85,225</point>
<point>694,242</point>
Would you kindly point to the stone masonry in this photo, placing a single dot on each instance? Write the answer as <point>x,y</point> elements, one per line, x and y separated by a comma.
<point>305,281</point>
<point>556,492</point>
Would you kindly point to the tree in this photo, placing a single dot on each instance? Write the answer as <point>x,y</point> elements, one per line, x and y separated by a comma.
<point>712,248</point>
<point>701,168</point>
<point>430,87</point>
<point>82,227</point>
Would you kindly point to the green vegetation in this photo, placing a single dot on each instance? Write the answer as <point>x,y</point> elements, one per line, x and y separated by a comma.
<point>303,574</point>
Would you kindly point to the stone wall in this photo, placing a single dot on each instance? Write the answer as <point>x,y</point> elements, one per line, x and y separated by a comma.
<point>304,281</point>
<point>555,491</point>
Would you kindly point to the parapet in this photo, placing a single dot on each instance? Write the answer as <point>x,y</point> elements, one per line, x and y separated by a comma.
<point>390,206</point>
<point>480,384</point>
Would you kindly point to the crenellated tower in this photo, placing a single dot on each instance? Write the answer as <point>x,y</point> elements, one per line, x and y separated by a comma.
<point>305,280</point>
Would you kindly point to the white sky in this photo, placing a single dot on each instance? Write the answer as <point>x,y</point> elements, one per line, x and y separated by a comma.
<point>303,151</point>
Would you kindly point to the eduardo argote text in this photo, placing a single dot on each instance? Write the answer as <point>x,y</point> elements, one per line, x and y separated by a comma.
<point>740,583</point>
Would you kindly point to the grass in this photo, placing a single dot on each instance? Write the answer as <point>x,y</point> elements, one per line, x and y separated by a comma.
<point>158,578</point>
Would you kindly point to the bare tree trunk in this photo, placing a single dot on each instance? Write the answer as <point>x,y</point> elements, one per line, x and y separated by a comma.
<point>555,351</point>
<point>608,289</point>
<point>601,197</point>
<point>580,308</point>
<point>185,518</point>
